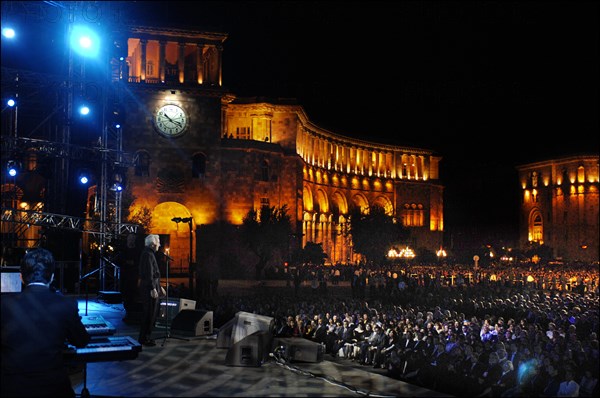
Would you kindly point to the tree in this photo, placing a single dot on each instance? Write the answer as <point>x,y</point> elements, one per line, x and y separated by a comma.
<point>374,232</point>
<point>265,232</point>
<point>143,217</point>
<point>313,254</point>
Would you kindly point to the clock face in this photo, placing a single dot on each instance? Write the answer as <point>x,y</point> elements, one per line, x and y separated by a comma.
<point>170,120</point>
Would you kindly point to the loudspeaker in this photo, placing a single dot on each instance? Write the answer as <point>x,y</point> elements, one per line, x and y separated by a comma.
<point>250,351</point>
<point>224,334</point>
<point>242,325</point>
<point>248,323</point>
<point>297,349</point>
<point>169,309</point>
<point>193,323</point>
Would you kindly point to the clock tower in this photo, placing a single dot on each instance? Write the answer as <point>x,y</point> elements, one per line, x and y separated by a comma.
<point>172,129</point>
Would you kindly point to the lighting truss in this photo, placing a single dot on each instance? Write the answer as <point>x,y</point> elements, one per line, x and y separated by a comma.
<point>93,227</point>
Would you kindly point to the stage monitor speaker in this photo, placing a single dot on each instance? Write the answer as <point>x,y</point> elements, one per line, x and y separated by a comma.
<point>168,310</point>
<point>193,323</point>
<point>224,334</point>
<point>248,323</point>
<point>297,349</point>
<point>251,351</point>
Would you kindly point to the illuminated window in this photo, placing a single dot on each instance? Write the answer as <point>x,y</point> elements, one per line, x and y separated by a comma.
<point>537,228</point>
<point>150,68</point>
<point>581,174</point>
<point>413,215</point>
<point>264,202</point>
<point>242,133</point>
<point>534,179</point>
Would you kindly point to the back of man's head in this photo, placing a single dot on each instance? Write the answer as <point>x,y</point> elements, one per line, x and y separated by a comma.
<point>37,266</point>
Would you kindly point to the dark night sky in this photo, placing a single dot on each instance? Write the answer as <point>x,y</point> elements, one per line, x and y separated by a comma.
<point>488,84</point>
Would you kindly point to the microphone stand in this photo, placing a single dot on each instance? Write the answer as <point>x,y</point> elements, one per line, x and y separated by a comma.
<point>167,330</point>
<point>84,279</point>
<point>85,393</point>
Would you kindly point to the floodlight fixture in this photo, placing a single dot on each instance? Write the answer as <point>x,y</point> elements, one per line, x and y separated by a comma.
<point>12,168</point>
<point>9,33</point>
<point>117,184</point>
<point>84,110</point>
<point>84,41</point>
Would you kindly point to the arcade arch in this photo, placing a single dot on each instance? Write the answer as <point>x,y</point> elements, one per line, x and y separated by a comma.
<point>175,237</point>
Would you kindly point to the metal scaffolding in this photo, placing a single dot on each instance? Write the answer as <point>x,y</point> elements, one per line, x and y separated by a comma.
<point>48,135</point>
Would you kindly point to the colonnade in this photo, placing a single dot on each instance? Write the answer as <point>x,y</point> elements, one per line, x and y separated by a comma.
<point>332,234</point>
<point>352,156</point>
<point>148,61</point>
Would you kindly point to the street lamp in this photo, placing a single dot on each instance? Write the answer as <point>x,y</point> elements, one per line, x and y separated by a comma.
<point>188,220</point>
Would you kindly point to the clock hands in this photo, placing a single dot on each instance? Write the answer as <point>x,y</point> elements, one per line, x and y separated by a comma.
<point>178,123</point>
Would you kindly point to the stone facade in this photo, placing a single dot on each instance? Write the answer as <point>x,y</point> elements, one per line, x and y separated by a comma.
<point>239,154</point>
<point>559,206</point>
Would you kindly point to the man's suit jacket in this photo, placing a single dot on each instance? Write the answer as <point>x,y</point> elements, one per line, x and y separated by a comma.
<point>36,324</point>
<point>149,272</point>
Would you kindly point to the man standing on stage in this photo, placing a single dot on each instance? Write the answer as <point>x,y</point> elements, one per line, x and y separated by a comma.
<point>150,288</point>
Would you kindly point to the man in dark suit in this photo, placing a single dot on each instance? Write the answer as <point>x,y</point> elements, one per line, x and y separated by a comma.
<point>36,325</point>
<point>150,288</point>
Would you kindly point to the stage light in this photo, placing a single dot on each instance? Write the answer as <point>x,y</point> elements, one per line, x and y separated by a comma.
<point>11,102</point>
<point>117,184</point>
<point>85,41</point>
<point>9,33</point>
<point>12,168</point>
<point>84,110</point>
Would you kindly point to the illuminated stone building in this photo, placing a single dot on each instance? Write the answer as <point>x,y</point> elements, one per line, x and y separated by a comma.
<point>213,157</point>
<point>559,206</point>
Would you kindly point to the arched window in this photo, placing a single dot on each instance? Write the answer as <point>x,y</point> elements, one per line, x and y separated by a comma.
<point>142,164</point>
<point>198,165</point>
<point>536,228</point>
<point>534,179</point>
<point>580,174</point>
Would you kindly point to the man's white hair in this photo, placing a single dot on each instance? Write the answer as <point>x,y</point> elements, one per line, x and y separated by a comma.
<point>150,239</point>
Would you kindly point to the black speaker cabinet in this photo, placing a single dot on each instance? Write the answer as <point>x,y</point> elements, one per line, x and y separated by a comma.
<point>168,309</point>
<point>251,351</point>
<point>297,349</point>
<point>193,323</point>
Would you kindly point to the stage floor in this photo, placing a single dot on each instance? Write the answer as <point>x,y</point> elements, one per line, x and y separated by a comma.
<point>197,368</point>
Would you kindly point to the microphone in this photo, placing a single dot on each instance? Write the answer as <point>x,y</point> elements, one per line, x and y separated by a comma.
<point>167,256</point>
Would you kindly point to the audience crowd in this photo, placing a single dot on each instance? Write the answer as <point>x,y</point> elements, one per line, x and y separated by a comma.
<point>521,331</point>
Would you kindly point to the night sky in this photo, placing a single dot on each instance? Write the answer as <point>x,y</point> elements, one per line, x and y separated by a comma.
<point>487,85</point>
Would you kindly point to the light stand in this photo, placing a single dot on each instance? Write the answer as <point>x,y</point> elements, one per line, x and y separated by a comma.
<point>167,330</point>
